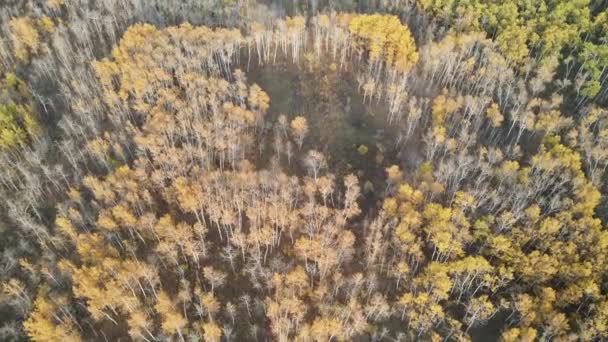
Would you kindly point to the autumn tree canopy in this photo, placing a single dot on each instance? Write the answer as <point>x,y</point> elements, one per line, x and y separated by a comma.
<point>232,171</point>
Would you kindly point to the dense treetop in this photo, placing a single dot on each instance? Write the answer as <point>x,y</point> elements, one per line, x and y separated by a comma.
<point>226,170</point>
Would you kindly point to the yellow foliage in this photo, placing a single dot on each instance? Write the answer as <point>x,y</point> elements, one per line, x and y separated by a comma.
<point>494,115</point>
<point>386,39</point>
<point>54,4</point>
<point>40,325</point>
<point>47,24</point>
<point>65,226</point>
<point>25,37</point>
<point>212,333</point>
<point>172,320</point>
<point>323,329</point>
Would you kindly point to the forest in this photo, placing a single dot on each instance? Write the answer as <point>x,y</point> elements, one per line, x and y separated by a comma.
<point>303,170</point>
